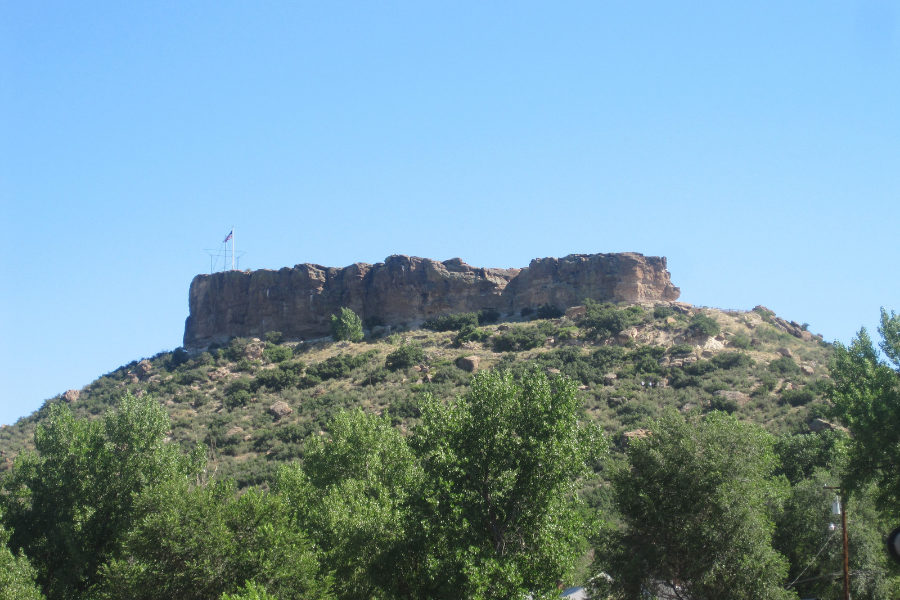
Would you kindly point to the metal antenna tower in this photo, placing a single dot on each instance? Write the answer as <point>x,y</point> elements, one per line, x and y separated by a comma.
<point>222,253</point>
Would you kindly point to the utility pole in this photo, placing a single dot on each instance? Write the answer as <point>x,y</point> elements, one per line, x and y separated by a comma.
<point>843,507</point>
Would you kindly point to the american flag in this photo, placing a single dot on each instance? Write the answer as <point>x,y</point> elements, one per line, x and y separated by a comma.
<point>230,235</point>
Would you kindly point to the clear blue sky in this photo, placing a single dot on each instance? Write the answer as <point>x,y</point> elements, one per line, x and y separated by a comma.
<point>756,145</point>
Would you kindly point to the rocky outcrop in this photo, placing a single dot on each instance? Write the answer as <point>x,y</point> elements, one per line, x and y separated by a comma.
<point>405,290</point>
<point>280,409</point>
<point>468,363</point>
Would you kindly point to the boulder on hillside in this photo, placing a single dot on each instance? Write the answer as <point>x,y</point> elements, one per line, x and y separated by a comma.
<point>143,368</point>
<point>786,352</point>
<point>71,396</point>
<point>627,335</point>
<point>254,350</point>
<point>817,425</point>
<point>576,312</point>
<point>807,370</point>
<point>217,374</point>
<point>710,344</point>
<point>280,409</point>
<point>234,431</point>
<point>610,378</point>
<point>468,363</point>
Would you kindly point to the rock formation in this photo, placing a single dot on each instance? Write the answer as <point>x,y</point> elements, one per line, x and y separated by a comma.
<point>406,290</point>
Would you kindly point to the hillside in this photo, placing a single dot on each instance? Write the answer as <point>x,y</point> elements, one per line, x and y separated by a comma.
<point>254,401</point>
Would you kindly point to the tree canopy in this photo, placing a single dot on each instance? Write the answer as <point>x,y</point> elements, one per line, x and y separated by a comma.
<point>697,501</point>
<point>71,500</point>
<point>500,466</point>
<point>866,398</point>
<point>346,326</point>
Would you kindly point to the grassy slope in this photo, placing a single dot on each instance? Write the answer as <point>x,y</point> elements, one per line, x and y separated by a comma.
<point>199,392</point>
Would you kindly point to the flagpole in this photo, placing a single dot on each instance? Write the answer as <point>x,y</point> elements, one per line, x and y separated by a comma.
<point>232,247</point>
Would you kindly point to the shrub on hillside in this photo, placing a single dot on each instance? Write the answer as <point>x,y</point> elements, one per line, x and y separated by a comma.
<point>784,366</point>
<point>605,320</point>
<point>548,311</point>
<point>704,325</point>
<point>681,349</point>
<point>701,367</point>
<point>179,357</point>
<point>237,393</point>
<point>661,312</point>
<point>273,337</point>
<point>346,326</point>
<point>739,340</point>
<point>339,366</point>
<point>518,339</point>
<point>247,365</point>
<point>487,316</point>
<point>190,377</point>
<point>721,403</point>
<point>767,383</point>
<point>451,322</point>
<point>732,360</point>
<point>470,333</point>
<point>526,312</point>
<point>567,333</point>
<point>285,375</point>
<point>234,351</point>
<point>277,354</point>
<point>646,360</point>
<point>800,397</point>
<point>404,357</point>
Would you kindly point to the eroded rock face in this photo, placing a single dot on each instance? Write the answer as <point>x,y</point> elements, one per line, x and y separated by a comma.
<point>299,301</point>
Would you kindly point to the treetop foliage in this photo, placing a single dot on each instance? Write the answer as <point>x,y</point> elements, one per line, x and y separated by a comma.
<point>68,501</point>
<point>697,501</point>
<point>866,398</point>
<point>346,326</point>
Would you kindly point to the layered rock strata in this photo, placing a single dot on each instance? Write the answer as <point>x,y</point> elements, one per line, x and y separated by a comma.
<point>406,290</point>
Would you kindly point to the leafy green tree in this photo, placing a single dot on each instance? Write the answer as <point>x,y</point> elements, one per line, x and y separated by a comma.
<point>815,552</point>
<point>866,398</point>
<point>500,517</point>
<point>70,501</point>
<point>347,326</point>
<point>803,536</point>
<point>250,591</point>
<point>16,573</point>
<point>697,501</point>
<point>802,456</point>
<point>197,543</point>
<point>351,494</point>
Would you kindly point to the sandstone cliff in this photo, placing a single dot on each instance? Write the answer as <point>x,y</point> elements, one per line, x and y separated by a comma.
<point>299,301</point>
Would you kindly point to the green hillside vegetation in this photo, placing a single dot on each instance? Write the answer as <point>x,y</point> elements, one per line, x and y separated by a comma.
<point>222,397</point>
<point>460,460</point>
